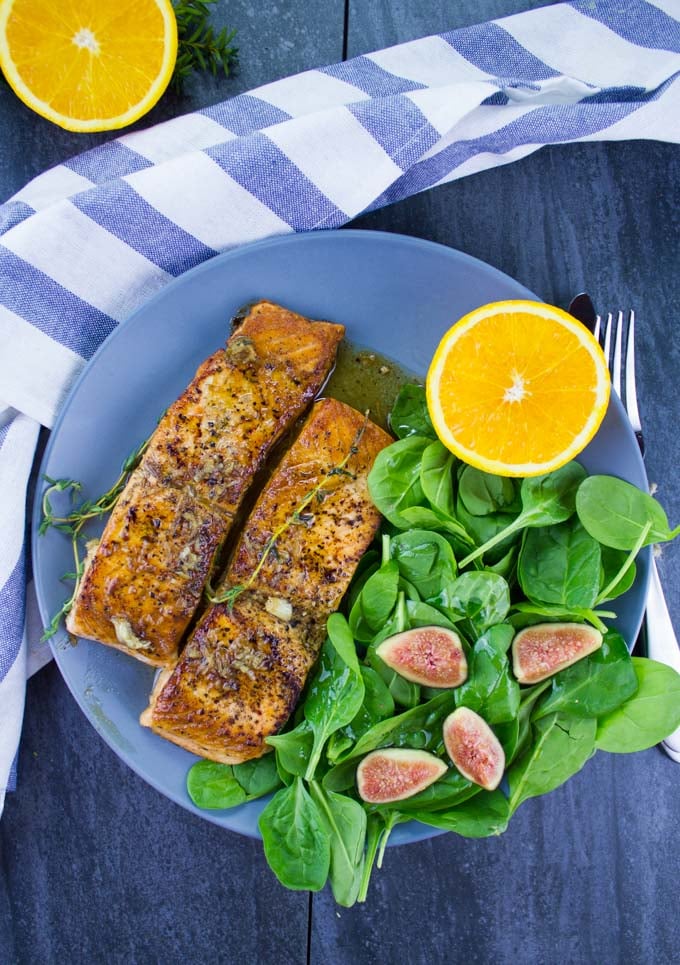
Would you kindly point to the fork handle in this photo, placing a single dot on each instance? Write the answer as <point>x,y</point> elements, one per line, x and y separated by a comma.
<point>662,644</point>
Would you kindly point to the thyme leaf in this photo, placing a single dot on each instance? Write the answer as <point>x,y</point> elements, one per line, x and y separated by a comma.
<point>72,523</point>
<point>199,46</point>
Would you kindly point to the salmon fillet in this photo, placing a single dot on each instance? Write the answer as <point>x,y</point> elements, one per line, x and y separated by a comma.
<point>245,665</point>
<point>143,582</point>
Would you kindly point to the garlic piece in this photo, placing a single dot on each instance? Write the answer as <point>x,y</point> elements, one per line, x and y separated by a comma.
<point>126,636</point>
<point>279,608</point>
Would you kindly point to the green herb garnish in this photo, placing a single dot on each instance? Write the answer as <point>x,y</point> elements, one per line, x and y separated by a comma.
<point>72,523</point>
<point>199,47</point>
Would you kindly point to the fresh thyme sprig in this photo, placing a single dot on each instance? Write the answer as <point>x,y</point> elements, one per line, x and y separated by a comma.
<point>199,47</point>
<point>298,516</point>
<point>72,523</point>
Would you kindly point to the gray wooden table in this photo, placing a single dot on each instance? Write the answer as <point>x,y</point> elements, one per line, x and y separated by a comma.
<point>97,867</point>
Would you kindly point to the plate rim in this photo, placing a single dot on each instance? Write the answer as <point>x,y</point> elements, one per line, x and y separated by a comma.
<point>214,264</point>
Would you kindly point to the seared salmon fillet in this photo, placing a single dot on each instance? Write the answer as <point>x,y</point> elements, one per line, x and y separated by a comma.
<point>243,669</point>
<point>144,581</point>
<point>238,680</point>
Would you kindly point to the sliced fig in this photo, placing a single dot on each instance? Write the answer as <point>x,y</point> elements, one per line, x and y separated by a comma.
<point>396,773</point>
<point>540,651</point>
<point>474,748</point>
<point>432,656</point>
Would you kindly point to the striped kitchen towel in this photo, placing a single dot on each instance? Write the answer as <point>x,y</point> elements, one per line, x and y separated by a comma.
<point>87,242</point>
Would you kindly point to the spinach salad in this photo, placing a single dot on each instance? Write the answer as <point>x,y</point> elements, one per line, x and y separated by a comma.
<point>485,556</point>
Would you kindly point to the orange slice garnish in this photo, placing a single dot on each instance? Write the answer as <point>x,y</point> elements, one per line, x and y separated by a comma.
<point>517,388</point>
<point>88,65</point>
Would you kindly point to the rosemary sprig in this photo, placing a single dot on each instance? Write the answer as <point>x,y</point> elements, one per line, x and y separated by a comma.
<point>298,516</point>
<point>72,523</point>
<point>199,47</point>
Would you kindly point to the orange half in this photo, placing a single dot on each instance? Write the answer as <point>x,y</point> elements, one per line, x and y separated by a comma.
<point>88,65</point>
<point>517,388</point>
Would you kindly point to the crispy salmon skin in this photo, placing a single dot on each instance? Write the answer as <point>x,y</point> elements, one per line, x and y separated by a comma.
<point>143,583</point>
<point>245,665</point>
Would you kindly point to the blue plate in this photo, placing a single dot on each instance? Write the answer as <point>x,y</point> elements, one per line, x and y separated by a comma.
<point>394,293</point>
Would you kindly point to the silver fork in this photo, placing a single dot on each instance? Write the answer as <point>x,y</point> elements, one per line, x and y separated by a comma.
<point>662,644</point>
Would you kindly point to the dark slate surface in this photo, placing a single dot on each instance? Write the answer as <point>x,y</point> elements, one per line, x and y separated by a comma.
<point>98,867</point>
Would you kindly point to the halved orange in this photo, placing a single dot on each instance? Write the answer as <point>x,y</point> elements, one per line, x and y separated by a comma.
<point>517,388</point>
<point>88,65</point>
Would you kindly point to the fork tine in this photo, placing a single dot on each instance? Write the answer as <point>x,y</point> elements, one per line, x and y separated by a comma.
<point>631,394</point>
<point>606,348</point>
<point>616,363</point>
<point>598,326</point>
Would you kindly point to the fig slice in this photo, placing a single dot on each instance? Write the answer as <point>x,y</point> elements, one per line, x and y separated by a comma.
<point>432,656</point>
<point>540,651</point>
<point>396,773</point>
<point>474,748</point>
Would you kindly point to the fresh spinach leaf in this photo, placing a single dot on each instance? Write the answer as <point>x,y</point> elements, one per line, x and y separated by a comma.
<point>481,599</point>
<point>394,480</point>
<point>340,636</point>
<point>419,727</point>
<point>527,614</point>
<point>336,692</point>
<point>483,529</point>
<point>626,567</point>
<point>410,415</point>
<point>560,564</point>
<point>515,744</point>
<point>345,823</point>
<point>213,786</point>
<point>485,815</point>
<point>360,577</point>
<point>378,704</point>
<point>421,517</point>
<point>375,829</point>
<point>424,615</point>
<point>391,819</point>
<point>546,499</point>
<point>594,686</point>
<point>551,498</point>
<point>613,562</point>
<point>258,777</point>
<point>508,734</point>
<point>615,513</point>
<point>342,776</point>
<point>296,842</point>
<point>490,689</point>
<point>379,595</point>
<point>338,744</point>
<point>505,566</point>
<point>425,559</point>
<point>651,714</point>
<point>293,749</point>
<point>436,478</point>
<point>483,493</point>
<point>560,748</point>
<point>358,626</point>
<point>409,590</point>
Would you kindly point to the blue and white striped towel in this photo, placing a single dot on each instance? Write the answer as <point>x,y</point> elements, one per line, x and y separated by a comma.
<point>87,242</point>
